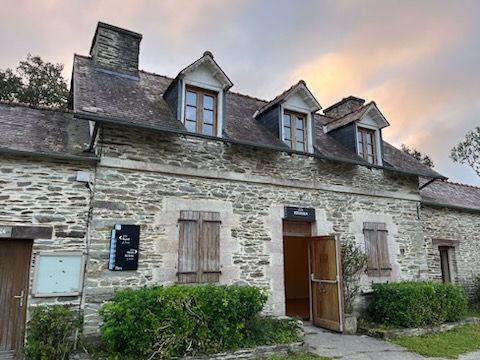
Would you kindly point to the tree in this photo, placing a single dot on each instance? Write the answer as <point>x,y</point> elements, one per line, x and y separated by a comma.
<point>468,151</point>
<point>354,262</point>
<point>423,158</point>
<point>36,82</point>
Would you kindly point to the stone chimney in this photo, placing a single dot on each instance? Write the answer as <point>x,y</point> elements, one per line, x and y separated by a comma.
<point>116,49</point>
<point>343,107</point>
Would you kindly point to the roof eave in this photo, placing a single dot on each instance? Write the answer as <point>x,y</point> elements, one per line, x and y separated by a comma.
<point>319,155</point>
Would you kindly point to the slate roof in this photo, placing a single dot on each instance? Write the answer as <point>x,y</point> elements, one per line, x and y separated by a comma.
<point>450,194</point>
<point>333,124</point>
<point>104,96</point>
<point>27,130</point>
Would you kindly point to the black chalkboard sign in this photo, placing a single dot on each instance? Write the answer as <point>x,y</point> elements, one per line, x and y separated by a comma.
<point>124,247</point>
<point>295,213</point>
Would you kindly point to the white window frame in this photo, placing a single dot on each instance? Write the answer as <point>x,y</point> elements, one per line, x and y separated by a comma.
<point>35,293</point>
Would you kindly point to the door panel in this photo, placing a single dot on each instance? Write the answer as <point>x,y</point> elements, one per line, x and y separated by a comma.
<point>325,283</point>
<point>14,269</point>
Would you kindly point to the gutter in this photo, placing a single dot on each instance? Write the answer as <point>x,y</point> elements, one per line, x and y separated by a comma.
<point>449,206</point>
<point>49,155</point>
<point>110,120</point>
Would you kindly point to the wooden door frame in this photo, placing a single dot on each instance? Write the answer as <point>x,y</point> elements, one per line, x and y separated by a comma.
<point>339,279</point>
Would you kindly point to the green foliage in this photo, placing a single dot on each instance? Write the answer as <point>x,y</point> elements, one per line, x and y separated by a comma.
<point>37,83</point>
<point>423,158</point>
<point>413,304</point>
<point>477,290</point>
<point>179,320</point>
<point>51,332</point>
<point>354,262</point>
<point>448,344</point>
<point>468,151</point>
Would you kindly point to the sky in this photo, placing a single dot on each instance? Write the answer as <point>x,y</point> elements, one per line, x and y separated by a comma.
<point>418,60</point>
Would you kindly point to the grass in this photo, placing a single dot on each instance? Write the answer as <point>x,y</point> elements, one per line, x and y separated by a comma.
<point>302,356</point>
<point>448,344</point>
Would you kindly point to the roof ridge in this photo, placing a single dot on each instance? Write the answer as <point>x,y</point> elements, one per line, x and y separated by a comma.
<point>36,107</point>
<point>461,184</point>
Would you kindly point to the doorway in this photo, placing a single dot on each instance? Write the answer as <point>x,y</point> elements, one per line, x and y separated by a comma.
<point>312,276</point>
<point>15,258</point>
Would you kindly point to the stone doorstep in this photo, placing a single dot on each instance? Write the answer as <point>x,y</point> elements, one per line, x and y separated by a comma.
<point>254,353</point>
<point>393,333</point>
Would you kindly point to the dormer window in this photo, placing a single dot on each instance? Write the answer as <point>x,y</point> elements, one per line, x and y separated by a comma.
<point>367,144</point>
<point>295,130</point>
<point>200,111</point>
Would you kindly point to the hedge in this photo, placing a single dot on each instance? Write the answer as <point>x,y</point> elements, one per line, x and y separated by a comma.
<point>165,322</point>
<point>414,304</point>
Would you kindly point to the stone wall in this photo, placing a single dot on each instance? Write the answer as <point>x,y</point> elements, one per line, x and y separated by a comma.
<point>46,193</point>
<point>147,179</point>
<point>455,226</point>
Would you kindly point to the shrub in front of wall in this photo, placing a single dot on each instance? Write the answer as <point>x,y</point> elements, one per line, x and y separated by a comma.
<point>51,332</point>
<point>414,304</point>
<point>165,322</point>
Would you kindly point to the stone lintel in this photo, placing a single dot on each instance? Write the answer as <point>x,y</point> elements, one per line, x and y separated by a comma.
<point>25,232</point>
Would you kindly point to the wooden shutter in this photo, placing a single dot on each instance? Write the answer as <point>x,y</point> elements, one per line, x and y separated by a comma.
<point>188,246</point>
<point>377,249</point>
<point>209,265</point>
<point>199,247</point>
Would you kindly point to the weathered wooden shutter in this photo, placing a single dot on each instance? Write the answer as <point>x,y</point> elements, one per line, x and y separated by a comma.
<point>199,247</point>
<point>377,249</point>
<point>189,222</point>
<point>210,247</point>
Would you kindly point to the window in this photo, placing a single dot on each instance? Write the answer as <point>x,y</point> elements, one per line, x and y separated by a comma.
<point>366,144</point>
<point>200,111</point>
<point>294,131</point>
<point>199,247</point>
<point>377,249</point>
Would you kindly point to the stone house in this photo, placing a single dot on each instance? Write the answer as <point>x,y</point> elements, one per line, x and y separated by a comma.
<point>155,180</point>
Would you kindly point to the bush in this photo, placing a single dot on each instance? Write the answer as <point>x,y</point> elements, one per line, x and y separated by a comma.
<point>51,332</point>
<point>477,289</point>
<point>413,304</point>
<point>269,331</point>
<point>179,320</point>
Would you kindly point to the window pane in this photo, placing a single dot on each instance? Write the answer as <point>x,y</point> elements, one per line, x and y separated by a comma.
<point>370,149</point>
<point>191,98</point>
<point>299,123</point>
<point>288,142</point>
<point>300,146</point>
<point>370,159</point>
<point>369,138</point>
<point>286,120</point>
<point>208,129</point>
<point>208,117</point>
<point>208,102</point>
<point>287,133</point>
<point>191,113</point>
<point>191,126</point>
<point>299,135</point>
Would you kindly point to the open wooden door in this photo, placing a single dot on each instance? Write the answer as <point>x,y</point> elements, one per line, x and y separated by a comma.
<point>14,270</point>
<point>325,275</point>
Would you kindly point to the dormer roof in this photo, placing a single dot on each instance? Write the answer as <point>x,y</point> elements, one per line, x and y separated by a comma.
<point>369,109</point>
<point>208,61</point>
<point>299,88</point>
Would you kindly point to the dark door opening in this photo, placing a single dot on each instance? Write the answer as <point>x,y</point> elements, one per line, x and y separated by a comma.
<point>445,264</point>
<point>296,268</point>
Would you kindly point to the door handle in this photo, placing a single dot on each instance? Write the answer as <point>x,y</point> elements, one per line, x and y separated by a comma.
<point>21,296</point>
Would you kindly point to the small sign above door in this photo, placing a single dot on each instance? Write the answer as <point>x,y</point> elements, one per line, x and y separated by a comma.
<point>124,247</point>
<point>297,213</point>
